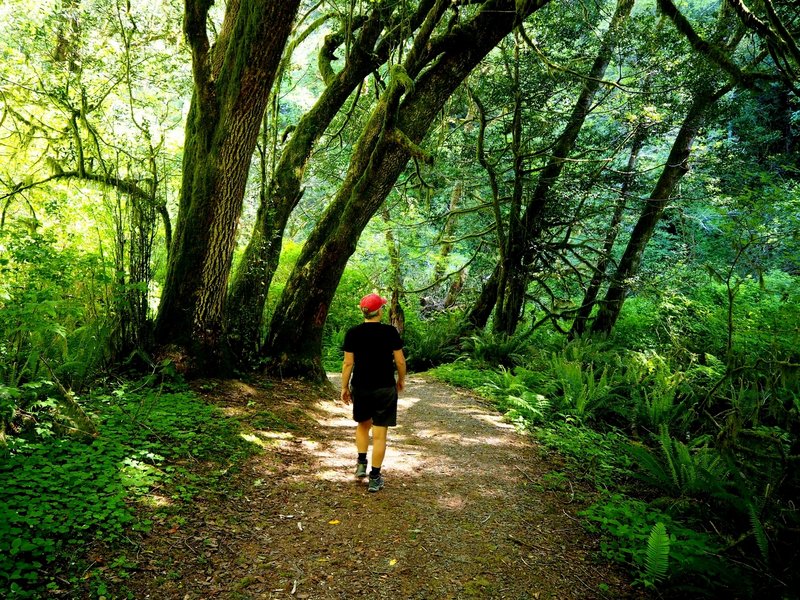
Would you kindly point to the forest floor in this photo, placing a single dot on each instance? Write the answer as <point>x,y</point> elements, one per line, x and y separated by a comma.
<point>466,511</point>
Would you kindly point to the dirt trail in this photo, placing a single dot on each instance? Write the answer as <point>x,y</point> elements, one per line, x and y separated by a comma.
<point>463,515</point>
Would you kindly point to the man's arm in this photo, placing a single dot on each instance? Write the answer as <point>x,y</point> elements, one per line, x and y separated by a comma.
<point>400,363</point>
<point>347,371</point>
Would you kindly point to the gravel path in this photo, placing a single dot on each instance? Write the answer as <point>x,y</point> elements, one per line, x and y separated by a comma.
<point>464,514</point>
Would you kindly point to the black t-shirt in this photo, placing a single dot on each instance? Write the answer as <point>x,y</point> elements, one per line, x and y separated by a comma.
<point>373,345</point>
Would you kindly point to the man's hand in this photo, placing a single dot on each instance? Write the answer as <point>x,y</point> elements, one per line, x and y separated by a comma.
<point>346,397</point>
<point>401,385</point>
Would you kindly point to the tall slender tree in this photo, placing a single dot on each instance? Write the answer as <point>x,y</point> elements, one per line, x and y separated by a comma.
<point>674,169</point>
<point>718,50</point>
<point>521,251</point>
<point>599,274</point>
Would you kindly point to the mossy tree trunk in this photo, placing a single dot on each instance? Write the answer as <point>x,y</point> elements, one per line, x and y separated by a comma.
<point>252,278</point>
<point>390,138</point>
<point>232,82</point>
<point>397,315</point>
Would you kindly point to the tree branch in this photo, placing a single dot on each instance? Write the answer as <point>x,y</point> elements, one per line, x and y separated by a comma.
<point>682,24</point>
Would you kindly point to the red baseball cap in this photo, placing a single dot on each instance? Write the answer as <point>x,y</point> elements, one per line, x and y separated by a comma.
<point>372,302</point>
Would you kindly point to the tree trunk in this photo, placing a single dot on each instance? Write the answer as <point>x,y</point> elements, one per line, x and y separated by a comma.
<point>251,281</point>
<point>446,243</point>
<point>508,285</point>
<point>521,253</point>
<point>232,82</point>
<point>599,275</point>
<point>397,315</point>
<point>674,170</point>
<point>389,139</point>
<point>485,304</point>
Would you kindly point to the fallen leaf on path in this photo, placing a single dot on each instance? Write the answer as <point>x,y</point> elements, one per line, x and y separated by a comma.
<point>334,522</point>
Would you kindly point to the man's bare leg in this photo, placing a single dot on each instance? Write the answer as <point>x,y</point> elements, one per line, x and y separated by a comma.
<point>378,445</point>
<point>362,436</point>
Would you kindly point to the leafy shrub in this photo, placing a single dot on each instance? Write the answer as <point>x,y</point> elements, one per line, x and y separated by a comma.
<point>332,354</point>
<point>45,305</point>
<point>462,374</point>
<point>593,455</point>
<point>637,325</point>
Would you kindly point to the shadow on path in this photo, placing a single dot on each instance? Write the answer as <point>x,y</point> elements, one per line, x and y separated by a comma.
<point>462,516</point>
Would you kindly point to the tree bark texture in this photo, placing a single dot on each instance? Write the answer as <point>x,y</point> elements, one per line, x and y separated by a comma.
<point>522,252</point>
<point>389,139</point>
<point>397,315</point>
<point>232,82</point>
<point>250,285</point>
<point>676,167</point>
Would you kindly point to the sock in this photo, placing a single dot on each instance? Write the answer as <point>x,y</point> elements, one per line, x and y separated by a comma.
<point>362,458</point>
<point>375,473</point>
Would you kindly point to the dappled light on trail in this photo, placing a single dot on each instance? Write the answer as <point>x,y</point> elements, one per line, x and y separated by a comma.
<point>463,514</point>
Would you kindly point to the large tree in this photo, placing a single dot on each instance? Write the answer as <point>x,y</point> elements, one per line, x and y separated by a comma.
<point>232,82</point>
<point>417,91</point>
<point>718,50</point>
<point>367,39</point>
<point>506,288</point>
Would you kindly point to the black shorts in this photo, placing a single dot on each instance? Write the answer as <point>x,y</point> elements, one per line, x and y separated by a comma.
<point>379,404</point>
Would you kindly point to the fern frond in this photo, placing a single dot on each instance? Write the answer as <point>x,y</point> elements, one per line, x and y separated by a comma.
<point>653,471</point>
<point>656,560</point>
<point>667,449</point>
<point>759,533</point>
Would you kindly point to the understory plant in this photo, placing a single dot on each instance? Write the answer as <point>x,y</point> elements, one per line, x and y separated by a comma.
<point>61,492</point>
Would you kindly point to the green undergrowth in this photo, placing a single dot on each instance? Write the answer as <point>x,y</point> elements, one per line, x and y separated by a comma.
<point>61,495</point>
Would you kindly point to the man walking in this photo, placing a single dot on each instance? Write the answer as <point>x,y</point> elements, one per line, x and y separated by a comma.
<point>372,350</point>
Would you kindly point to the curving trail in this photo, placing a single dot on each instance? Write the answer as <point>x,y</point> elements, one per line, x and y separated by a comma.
<point>464,514</point>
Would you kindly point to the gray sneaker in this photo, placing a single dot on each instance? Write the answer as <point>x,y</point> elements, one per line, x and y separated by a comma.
<point>361,469</point>
<point>375,484</point>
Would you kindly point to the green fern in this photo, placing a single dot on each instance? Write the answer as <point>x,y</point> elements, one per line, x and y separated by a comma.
<point>529,407</point>
<point>497,348</point>
<point>652,471</point>
<point>582,393</point>
<point>680,471</point>
<point>656,559</point>
<point>667,449</point>
<point>759,533</point>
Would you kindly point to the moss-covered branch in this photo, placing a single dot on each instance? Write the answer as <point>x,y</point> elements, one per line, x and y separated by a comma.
<point>710,51</point>
<point>396,136</point>
<point>194,27</point>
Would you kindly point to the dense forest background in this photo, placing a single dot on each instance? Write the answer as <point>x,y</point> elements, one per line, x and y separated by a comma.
<point>586,211</point>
